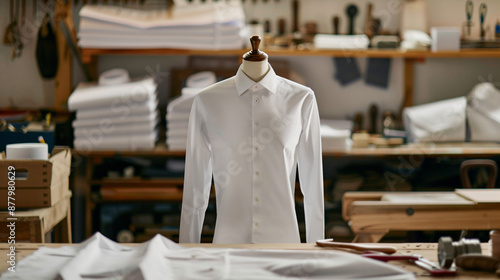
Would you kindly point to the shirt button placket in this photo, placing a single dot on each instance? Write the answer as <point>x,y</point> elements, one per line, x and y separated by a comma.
<point>255,166</point>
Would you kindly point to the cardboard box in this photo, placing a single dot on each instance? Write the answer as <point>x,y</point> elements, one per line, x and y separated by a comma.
<point>38,183</point>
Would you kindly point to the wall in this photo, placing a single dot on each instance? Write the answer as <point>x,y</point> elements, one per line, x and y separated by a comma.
<point>435,79</point>
<point>20,82</point>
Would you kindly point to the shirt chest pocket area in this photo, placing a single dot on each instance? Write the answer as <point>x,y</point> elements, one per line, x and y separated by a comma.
<point>284,131</point>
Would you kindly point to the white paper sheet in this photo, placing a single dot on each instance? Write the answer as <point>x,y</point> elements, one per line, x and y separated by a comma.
<point>160,258</point>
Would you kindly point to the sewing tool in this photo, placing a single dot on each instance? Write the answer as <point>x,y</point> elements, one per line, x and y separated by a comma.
<point>469,7</point>
<point>482,16</point>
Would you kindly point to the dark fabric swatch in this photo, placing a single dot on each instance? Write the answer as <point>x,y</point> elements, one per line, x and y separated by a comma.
<point>378,71</point>
<point>346,70</point>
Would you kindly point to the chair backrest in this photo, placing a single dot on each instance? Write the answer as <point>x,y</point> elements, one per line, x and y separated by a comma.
<point>489,164</point>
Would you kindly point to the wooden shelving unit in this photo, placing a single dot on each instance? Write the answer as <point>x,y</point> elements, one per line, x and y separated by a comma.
<point>88,55</point>
<point>166,189</point>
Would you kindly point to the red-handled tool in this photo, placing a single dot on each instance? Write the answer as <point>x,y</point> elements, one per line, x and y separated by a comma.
<point>432,268</point>
<point>386,258</point>
<point>418,260</point>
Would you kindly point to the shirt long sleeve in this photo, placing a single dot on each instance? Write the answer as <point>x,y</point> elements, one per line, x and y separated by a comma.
<point>311,171</point>
<point>197,178</point>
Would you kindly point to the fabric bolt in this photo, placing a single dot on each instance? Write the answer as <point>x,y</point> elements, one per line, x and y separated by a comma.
<point>251,137</point>
<point>160,258</point>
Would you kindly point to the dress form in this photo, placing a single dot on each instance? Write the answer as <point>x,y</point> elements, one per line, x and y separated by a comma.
<point>255,63</point>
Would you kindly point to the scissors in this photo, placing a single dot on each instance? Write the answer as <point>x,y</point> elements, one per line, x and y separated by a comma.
<point>469,7</point>
<point>482,15</point>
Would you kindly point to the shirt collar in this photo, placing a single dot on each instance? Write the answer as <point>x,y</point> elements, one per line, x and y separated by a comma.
<point>243,82</point>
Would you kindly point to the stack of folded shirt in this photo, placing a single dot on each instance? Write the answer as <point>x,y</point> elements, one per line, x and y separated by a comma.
<point>210,25</point>
<point>178,110</point>
<point>115,117</point>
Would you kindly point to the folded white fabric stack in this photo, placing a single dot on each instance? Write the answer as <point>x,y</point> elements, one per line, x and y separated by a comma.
<point>336,135</point>
<point>210,25</point>
<point>341,42</point>
<point>178,110</point>
<point>115,117</point>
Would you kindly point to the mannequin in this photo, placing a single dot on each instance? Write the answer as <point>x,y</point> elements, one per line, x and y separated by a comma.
<point>248,134</point>
<point>255,63</point>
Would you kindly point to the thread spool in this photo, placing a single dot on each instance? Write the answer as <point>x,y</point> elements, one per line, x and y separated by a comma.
<point>449,250</point>
<point>495,243</point>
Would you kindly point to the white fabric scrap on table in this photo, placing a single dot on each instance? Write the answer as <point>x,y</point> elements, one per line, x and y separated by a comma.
<point>160,258</point>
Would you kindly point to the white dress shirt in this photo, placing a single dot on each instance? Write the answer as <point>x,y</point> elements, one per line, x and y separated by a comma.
<point>251,137</point>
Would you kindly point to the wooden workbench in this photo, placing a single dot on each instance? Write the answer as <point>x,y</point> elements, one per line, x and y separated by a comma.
<point>370,217</point>
<point>427,250</point>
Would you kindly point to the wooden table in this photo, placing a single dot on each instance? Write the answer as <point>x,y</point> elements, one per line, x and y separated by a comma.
<point>370,218</point>
<point>427,250</point>
<point>32,225</point>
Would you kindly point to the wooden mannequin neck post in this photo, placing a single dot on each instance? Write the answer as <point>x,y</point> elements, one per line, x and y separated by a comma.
<point>255,63</point>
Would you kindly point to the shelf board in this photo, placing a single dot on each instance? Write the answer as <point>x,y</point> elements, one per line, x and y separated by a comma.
<point>160,150</point>
<point>424,149</point>
<point>133,183</point>
<point>142,193</point>
<point>88,54</point>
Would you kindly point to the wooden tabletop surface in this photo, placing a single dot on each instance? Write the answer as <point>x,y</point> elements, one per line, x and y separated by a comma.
<point>427,250</point>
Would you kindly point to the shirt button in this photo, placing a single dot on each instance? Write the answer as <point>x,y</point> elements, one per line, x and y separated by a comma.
<point>257,123</point>
<point>256,100</point>
<point>256,224</point>
<point>256,87</point>
<point>256,172</point>
<point>257,199</point>
<point>256,148</point>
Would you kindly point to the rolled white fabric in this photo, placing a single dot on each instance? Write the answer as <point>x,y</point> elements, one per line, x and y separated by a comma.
<point>483,113</point>
<point>28,151</point>
<point>441,121</point>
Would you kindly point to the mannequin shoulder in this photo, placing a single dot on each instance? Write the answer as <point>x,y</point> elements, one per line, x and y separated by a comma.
<point>293,87</point>
<point>226,86</point>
